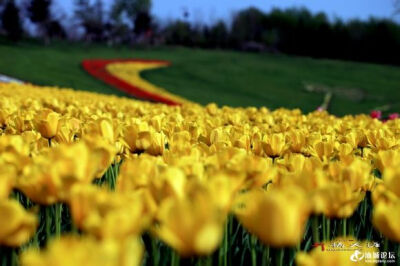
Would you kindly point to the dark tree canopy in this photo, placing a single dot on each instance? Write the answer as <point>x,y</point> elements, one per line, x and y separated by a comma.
<point>11,21</point>
<point>91,17</point>
<point>39,11</point>
<point>138,11</point>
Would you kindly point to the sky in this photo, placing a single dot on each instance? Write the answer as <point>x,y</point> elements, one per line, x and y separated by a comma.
<point>208,11</point>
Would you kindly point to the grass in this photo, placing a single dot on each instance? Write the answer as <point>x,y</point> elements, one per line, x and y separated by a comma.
<point>224,77</point>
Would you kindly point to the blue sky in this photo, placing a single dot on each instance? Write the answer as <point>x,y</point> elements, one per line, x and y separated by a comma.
<point>207,11</point>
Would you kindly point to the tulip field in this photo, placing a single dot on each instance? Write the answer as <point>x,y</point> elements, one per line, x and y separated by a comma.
<point>98,178</point>
<point>92,179</point>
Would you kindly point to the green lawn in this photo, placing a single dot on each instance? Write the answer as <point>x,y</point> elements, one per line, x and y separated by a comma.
<point>224,77</point>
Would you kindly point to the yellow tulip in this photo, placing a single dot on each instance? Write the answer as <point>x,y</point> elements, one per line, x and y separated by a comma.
<point>50,176</point>
<point>17,226</point>
<point>391,179</point>
<point>386,217</point>
<point>7,180</point>
<point>357,174</point>
<point>336,200</point>
<point>47,123</point>
<point>275,145</point>
<point>276,217</point>
<point>109,215</point>
<point>381,139</point>
<point>297,140</point>
<point>387,159</point>
<point>192,225</point>
<point>68,130</point>
<point>323,150</point>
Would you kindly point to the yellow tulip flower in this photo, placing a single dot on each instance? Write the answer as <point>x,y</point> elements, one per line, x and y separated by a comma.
<point>98,211</point>
<point>191,225</point>
<point>336,200</point>
<point>275,145</point>
<point>51,175</point>
<point>386,217</point>
<point>391,179</point>
<point>387,159</point>
<point>17,226</point>
<point>7,180</point>
<point>47,123</point>
<point>276,217</point>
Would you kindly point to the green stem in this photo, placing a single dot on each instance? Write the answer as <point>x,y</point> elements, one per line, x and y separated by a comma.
<point>209,261</point>
<point>315,229</point>
<point>279,257</point>
<point>48,222</point>
<point>365,211</point>
<point>253,251</point>
<point>155,252</point>
<point>14,258</point>
<point>3,260</point>
<point>222,259</point>
<point>265,256</point>
<point>386,248</point>
<point>323,228</point>
<point>174,258</point>
<point>351,227</point>
<point>344,227</point>
<point>58,211</point>
<point>328,229</point>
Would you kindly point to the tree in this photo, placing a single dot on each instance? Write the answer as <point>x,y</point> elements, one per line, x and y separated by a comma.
<point>39,13</point>
<point>219,35</point>
<point>247,25</point>
<point>138,11</point>
<point>11,21</point>
<point>91,17</point>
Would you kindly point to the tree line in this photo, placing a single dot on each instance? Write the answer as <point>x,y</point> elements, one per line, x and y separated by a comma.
<point>294,31</point>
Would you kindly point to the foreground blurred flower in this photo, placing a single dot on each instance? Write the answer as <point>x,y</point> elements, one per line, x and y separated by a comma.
<point>192,225</point>
<point>105,214</point>
<point>17,226</point>
<point>349,256</point>
<point>74,250</point>
<point>336,200</point>
<point>391,179</point>
<point>51,175</point>
<point>7,180</point>
<point>386,217</point>
<point>276,217</point>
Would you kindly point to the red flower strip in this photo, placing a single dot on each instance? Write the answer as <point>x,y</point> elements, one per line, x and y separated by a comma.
<point>97,68</point>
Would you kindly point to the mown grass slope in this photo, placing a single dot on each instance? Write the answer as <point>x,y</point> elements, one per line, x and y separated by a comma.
<point>224,77</point>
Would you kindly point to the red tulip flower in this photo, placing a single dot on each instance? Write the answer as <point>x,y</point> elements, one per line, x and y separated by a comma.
<point>376,114</point>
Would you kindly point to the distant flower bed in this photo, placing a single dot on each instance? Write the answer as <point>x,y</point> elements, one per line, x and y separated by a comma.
<point>124,74</point>
<point>90,179</point>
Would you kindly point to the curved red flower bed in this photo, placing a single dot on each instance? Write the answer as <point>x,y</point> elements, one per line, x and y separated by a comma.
<point>97,68</point>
